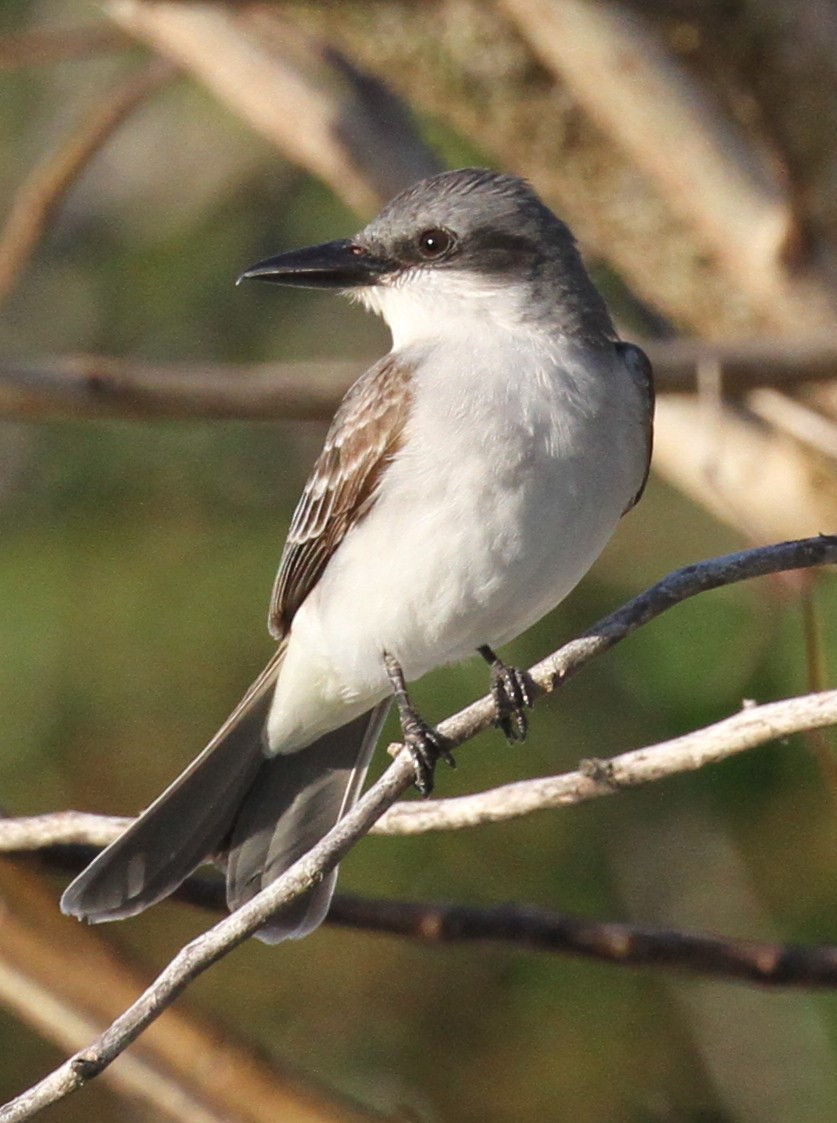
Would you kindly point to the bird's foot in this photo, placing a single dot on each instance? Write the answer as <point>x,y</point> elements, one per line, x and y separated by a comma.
<point>424,744</point>
<point>513,692</point>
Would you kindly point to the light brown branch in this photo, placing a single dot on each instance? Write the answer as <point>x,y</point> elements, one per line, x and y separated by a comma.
<point>106,386</point>
<point>742,470</point>
<point>753,726</point>
<point>42,193</point>
<point>296,90</point>
<point>45,46</point>
<point>796,419</point>
<point>213,945</point>
<point>619,68</point>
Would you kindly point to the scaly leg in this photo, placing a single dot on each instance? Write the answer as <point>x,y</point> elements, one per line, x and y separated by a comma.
<point>423,743</point>
<point>512,691</point>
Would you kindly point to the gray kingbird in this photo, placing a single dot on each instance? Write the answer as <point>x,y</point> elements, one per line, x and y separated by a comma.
<point>468,481</point>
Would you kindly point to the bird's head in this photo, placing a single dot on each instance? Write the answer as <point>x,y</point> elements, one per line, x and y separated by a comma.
<point>460,249</point>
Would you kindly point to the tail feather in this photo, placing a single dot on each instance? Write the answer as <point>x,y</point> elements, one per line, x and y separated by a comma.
<point>295,800</point>
<point>262,812</point>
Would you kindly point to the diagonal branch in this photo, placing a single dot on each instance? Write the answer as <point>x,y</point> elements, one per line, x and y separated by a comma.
<point>625,75</point>
<point>753,726</point>
<point>40,196</point>
<point>295,89</point>
<point>548,675</point>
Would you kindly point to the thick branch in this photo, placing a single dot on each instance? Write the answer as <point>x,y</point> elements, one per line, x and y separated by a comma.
<point>480,68</point>
<point>295,89</point>
<point>743,470</point>
<point>730,189</point>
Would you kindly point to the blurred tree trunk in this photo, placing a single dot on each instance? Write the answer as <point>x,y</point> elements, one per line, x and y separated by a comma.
<point>600,104</point>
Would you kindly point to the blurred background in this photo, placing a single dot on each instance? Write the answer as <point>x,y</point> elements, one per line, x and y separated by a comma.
<point>151,151</point>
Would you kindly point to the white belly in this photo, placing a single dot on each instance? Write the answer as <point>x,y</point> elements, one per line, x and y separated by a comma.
<point>504,493</point>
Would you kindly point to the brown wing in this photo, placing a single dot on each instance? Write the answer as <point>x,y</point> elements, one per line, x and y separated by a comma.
<point>639,368</point>
<point>362,439</point>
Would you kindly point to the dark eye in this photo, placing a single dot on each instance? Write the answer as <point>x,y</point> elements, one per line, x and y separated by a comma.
<point>434,243</point>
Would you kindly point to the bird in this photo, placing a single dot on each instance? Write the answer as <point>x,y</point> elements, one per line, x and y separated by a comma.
<point>468,481</point>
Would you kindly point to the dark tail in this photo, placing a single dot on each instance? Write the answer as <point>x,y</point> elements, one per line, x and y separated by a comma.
<point>296,799</point>
<point>263,812</point>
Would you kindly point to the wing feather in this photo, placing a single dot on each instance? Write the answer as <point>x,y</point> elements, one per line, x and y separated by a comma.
<point>639,368</point>
<point>363,438</point>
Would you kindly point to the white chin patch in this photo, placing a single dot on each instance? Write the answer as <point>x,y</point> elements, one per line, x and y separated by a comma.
<point>421,304</point>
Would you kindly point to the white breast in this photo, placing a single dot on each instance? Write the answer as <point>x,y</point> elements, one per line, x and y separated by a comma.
<point>518,458</point>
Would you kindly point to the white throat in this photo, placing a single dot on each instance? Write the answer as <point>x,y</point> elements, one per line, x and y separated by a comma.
<point>425,305</point>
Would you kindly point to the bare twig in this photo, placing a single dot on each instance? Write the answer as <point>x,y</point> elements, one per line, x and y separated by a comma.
<point>44,46</point>
<point>717,957</point>
<point>753,726</point>
<point>101,386</point>
<point>524,926</point>
<point>42,193</point>
<point>107,386</point>
<point>201,953</point>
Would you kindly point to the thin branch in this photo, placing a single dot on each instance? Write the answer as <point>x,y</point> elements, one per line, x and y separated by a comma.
<point>40,196</point>
<point>207,949</point>
<point>744,364</point>
<point>625,945</point>
<point>536,929</point>
<point>45,46</point>
<point>753,726</point>
<point>92,386</point>
<point>46,964</point>
<point>101,386</point>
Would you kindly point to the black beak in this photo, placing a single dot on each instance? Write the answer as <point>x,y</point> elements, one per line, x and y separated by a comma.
<point>335,265</point>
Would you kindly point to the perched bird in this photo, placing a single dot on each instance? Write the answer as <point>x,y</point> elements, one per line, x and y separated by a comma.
<point>468,481</point>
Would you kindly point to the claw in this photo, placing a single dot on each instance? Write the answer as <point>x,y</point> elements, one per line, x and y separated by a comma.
<point>424,744</point>
<point>513,692</point>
